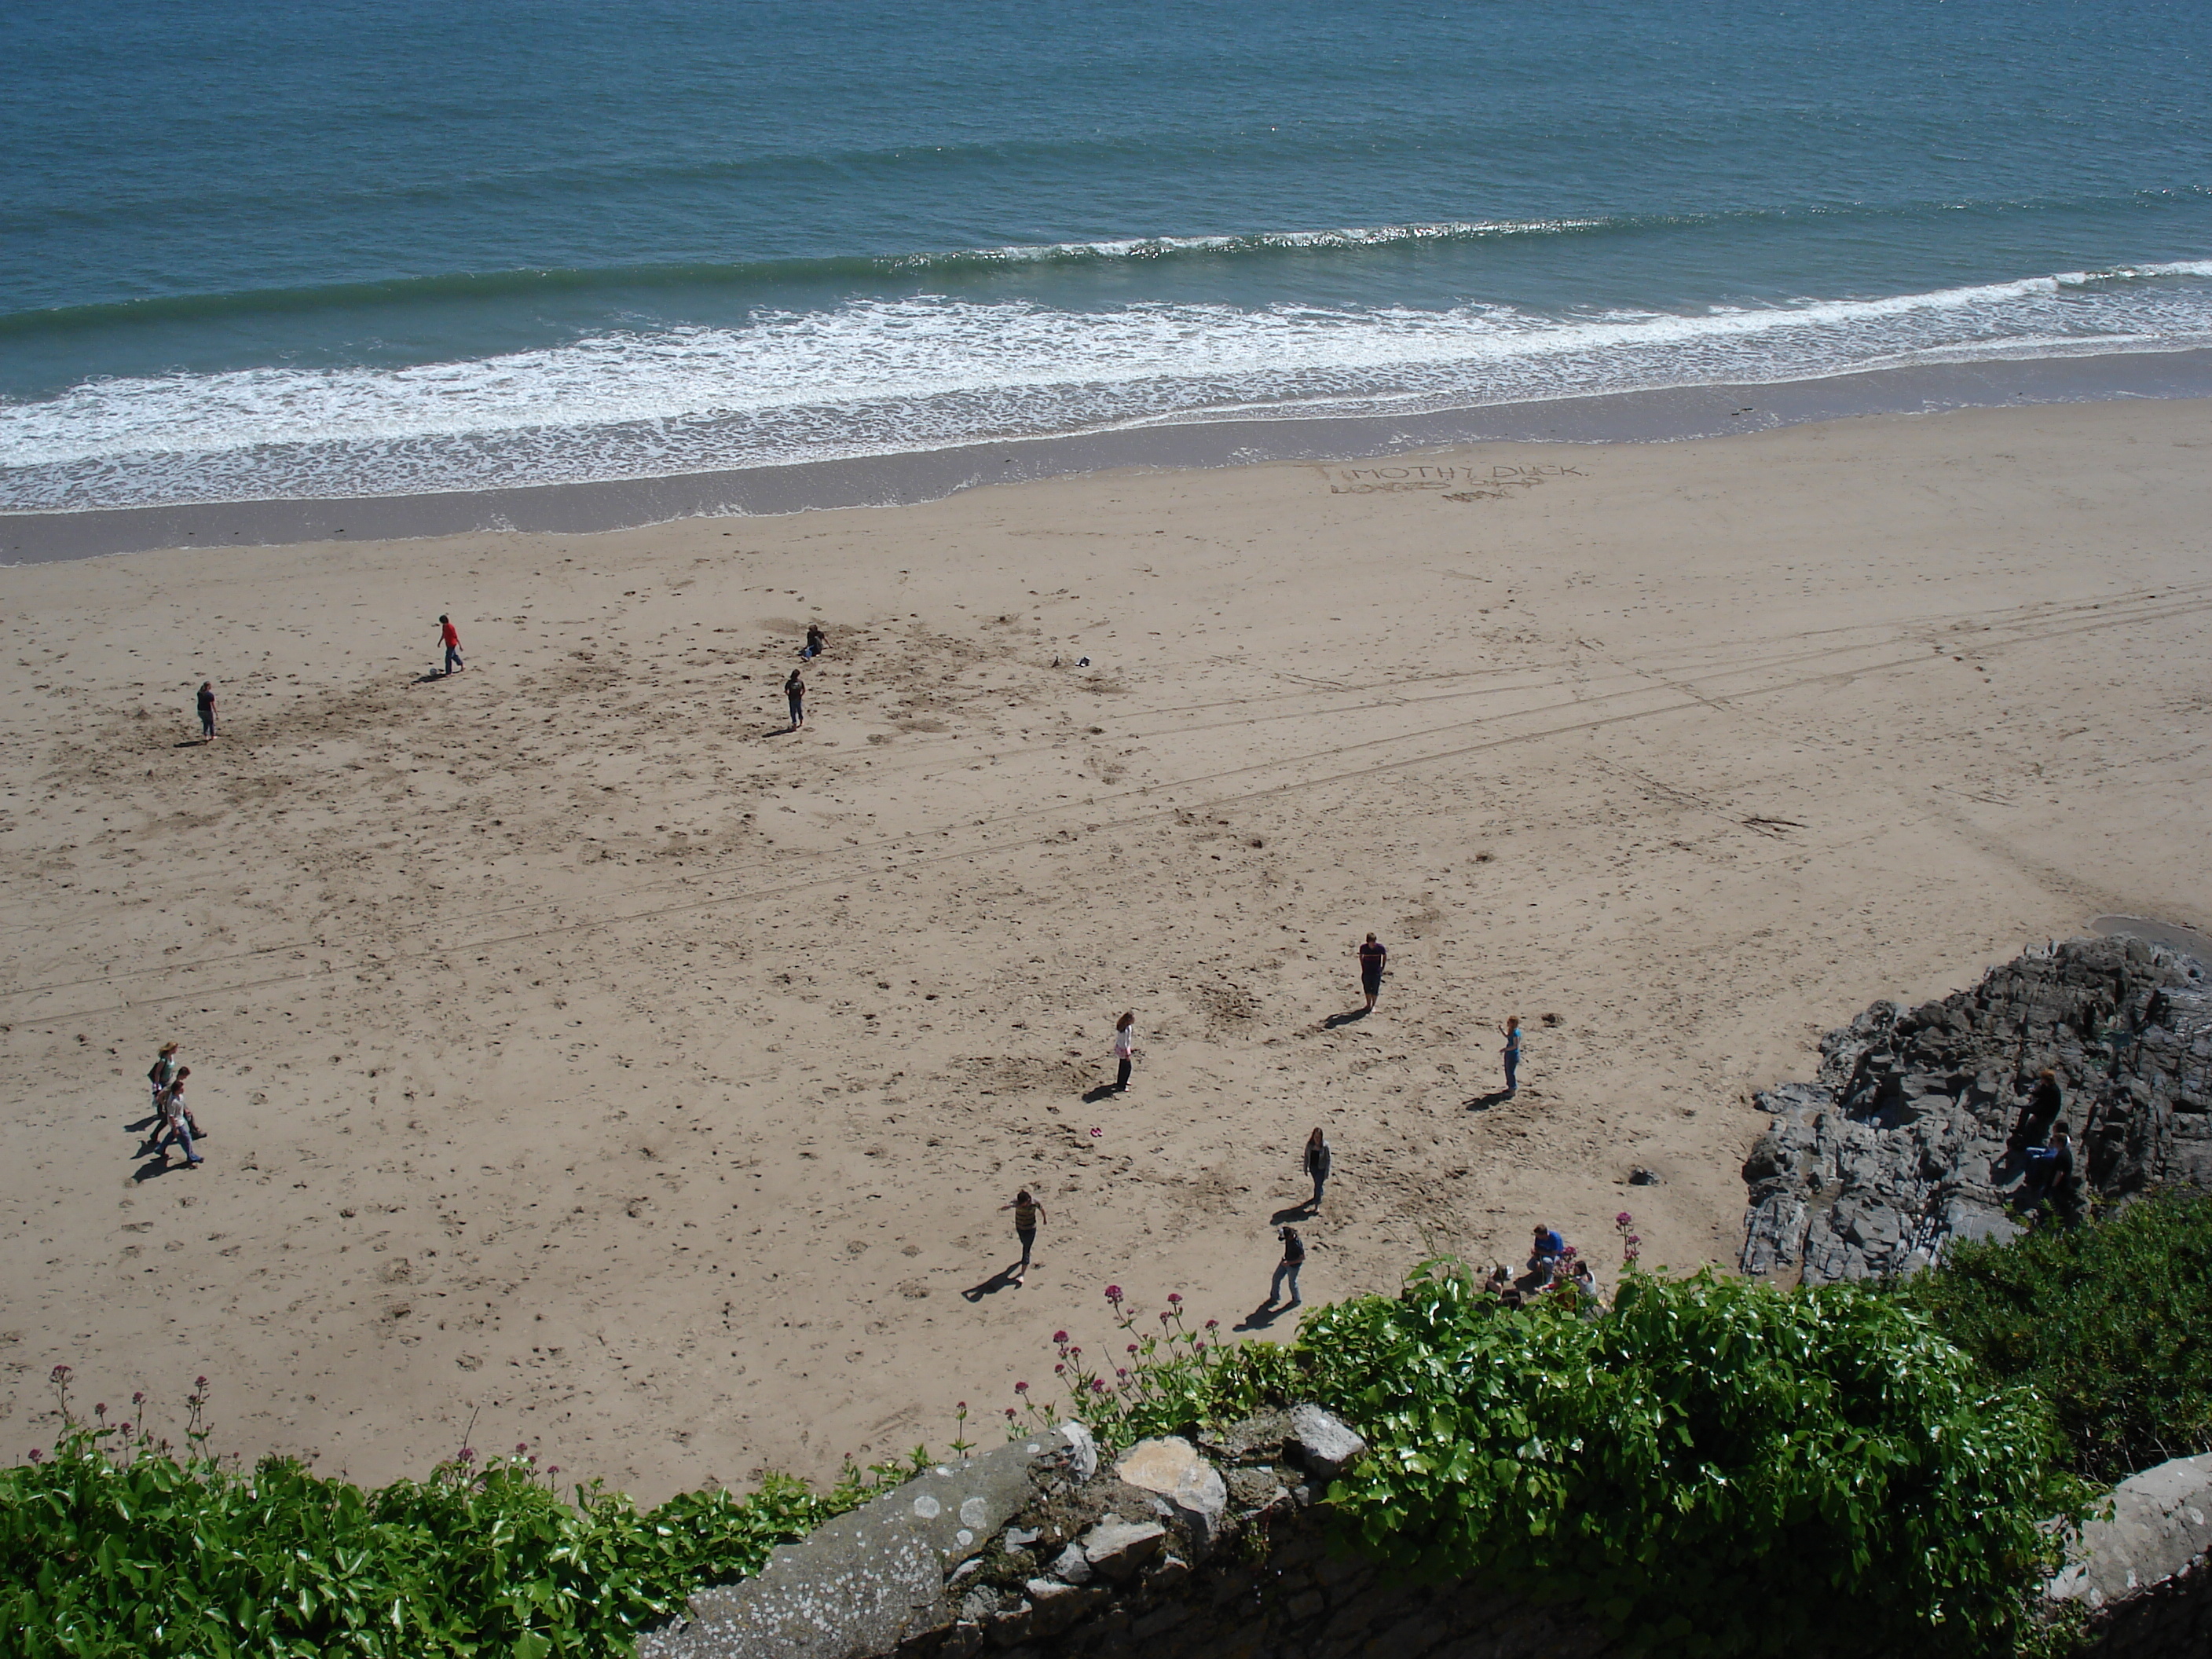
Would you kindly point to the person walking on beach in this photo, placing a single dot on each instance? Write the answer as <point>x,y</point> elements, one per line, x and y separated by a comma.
<point>1510,1053</point>
<point>1318,1162</point>
<point>177,1123</point>
<point>163,1073</point>
<point>1027,1213</point>
<point>1294,1257</point>
<point>1124,1050</point>
<point>207,711</point>
<point>450,637</point>
<point>795,690</point>
<point>1371,957</point>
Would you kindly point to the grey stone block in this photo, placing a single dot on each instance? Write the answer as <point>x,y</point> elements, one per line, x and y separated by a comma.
<point>1323,1441</point>
<point>1117,1549</point>
<point>2161,1528</point>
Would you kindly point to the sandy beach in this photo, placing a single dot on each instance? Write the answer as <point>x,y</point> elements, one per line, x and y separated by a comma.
<point>585,1057</point>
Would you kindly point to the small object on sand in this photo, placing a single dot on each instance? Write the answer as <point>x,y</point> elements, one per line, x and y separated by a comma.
<point>1640,1176</point>
<point>1083,662</point>
<point>1098,1131</point>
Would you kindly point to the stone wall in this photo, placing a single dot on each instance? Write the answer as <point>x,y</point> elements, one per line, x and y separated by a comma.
<point>1214,1550</point>
<point>1903,1140</point>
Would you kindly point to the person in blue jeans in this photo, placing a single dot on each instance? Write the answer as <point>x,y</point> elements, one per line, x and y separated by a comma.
<point>1511,1053</point>
<point>1294,1257</point>
<point>177,1123</point>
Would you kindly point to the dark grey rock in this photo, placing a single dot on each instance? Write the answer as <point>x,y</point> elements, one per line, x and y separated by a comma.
<point>1640,1176</point>
<point>1904,1142</point>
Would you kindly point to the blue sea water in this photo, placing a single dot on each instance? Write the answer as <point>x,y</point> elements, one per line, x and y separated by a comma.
<point>381,246</point>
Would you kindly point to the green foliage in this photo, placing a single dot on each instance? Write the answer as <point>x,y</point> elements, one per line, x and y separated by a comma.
<point>1718,1468</point>
<point>118,1547</point>
<point>2108,1321</point>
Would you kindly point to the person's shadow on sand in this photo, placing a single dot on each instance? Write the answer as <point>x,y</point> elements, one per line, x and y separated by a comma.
<point>1305,1211</point>
<point>1348,1016</point>
<point>1495,1097</point>
<point>1263,1315</point>
<point>154,1167</point>
<point>1103,1091</point>
<point>1003,1279</point>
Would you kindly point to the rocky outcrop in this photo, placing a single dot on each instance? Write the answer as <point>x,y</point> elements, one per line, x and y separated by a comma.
<point>1210,1548</point>
<point>1905,1138</point>
<point>2144,1572</point>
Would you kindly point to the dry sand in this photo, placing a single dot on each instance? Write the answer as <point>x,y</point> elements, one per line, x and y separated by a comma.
<point>582,1056</point>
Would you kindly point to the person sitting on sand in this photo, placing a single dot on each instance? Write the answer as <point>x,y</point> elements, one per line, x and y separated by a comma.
<point>816,642</point>
<point>1546,1251</point>
<point>1584,1281</point>
<point>1499,1282</point>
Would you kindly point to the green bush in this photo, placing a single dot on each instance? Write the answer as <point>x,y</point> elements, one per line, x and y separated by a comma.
<point>1718,1468</point>
<point>2110,1322</point>
<point>118,1546</point>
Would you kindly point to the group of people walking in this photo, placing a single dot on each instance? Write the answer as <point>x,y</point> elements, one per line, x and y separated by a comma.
<point>173,1124</point>
<point>1317,1161</point>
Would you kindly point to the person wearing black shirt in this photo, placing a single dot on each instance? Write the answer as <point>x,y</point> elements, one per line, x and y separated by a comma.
<point>207,709</point>
<point>2044,1103</point>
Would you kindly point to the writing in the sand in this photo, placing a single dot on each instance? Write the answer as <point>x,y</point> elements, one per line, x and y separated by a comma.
<point>1495,480</point>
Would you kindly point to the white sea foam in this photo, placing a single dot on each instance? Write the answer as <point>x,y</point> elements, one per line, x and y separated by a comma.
<point>882,376</point>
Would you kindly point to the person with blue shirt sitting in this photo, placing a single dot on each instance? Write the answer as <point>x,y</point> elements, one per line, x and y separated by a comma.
<point>1547,1250</point>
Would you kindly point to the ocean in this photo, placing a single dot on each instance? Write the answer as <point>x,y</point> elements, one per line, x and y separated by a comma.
<point>271,251</point>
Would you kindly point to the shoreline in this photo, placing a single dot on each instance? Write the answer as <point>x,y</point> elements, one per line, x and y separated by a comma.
<point>1666,415</point>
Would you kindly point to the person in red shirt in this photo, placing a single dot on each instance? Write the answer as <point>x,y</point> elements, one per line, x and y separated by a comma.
<point>450,638</point>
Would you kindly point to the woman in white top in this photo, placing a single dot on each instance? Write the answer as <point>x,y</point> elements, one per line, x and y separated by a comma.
<point>1125,1049</point>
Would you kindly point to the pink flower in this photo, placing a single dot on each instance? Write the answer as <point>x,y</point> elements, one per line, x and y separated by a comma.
<point>1133,1347</point>
<point>1622,1219</point>
<point>126,1428</point>
<point>1113,1292</point>
<point>61,1373</point>
<point>1213,1324</point>
<point>199,1382</point>
<point>1010,1413</point>
<point>1059,1337</point>
<point>100,1411</point>
<point>959,1405</point>
<point>1121,1372</point>
<point>1175,1298</point>
<point>37,1457</point>
<point>1021,1388</point>
<point>522,1448</point>
<point>138,1399</point>
<point>553,1468</point>
<point>1097,1385</point>
<point>1098,1131</point>
<point>1075,1352</point>
<point>468,1455</point>
<point>1165,1315</point>
<point>1633,1241</point>
<point>1060,1371</point>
